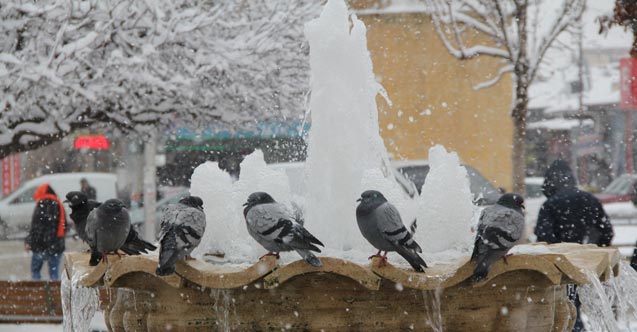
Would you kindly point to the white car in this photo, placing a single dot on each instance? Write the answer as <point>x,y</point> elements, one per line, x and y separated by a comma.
<point>17,208</point>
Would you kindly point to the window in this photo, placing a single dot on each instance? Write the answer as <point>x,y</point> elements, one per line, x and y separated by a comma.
<point>25,197</point>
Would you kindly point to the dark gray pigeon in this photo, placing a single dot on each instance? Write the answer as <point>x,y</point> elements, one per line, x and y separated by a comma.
<point>182,226</point>
<point>381,224</point>
<point>81,207</point>
<point>500,226</point>
<point>274,227</point>
<point>107,228</point>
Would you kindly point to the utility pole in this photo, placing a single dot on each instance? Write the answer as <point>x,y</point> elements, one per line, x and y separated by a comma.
<point>150,189</point>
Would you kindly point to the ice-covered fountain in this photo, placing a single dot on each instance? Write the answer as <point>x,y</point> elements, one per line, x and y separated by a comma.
<point>228,288</point>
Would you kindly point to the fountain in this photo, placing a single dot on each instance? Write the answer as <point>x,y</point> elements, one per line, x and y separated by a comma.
<point>225,290</point>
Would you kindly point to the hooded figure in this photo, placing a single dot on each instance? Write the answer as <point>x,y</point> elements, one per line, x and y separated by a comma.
<point>46,236</point>
<point>569,214</point>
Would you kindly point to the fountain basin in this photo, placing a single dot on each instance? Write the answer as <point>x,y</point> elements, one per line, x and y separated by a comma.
<point>526,294</point>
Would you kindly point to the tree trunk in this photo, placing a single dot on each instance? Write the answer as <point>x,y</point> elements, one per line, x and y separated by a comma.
<point>521,72</point>
<point>519,145</point>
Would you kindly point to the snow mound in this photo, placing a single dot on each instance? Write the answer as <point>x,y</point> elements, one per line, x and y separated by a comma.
<point>446,211</point>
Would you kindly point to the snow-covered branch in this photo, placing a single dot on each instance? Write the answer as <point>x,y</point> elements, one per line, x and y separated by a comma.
<point>68,64</point>
<point>495,79</point>
<point>458,22</point>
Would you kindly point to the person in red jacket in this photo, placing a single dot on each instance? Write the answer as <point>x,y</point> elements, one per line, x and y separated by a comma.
<point>48,228</point>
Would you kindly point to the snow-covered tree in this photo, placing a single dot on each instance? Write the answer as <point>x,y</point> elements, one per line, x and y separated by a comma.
<point>517,32</point>
<point>69,64</point>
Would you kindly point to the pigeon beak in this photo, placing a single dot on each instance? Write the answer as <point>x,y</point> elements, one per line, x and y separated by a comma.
<point>245,204</point>
<point>66,201</point>
<point>360,199</point>
<point>523,207</point>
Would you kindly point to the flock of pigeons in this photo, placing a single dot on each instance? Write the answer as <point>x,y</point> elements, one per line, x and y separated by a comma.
<point>106,228</point>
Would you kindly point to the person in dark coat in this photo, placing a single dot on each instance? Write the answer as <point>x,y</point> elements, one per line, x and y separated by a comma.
<point>571,215</point>
<point>89,190</point>
<point>46,237</point>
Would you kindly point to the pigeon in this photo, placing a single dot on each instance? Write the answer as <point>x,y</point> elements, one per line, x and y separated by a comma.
<point>81,207</point>
<point>182,226</point>
<point>380,223</point>
<point>273,226</point>
<point>500,226</point>
<point>107,228</point>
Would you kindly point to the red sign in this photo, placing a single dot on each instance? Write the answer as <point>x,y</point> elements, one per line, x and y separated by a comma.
<point>628,80</point>
<point>97,142</point>
<point>11,174</point>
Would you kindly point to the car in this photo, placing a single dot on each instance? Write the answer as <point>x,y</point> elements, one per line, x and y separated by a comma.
<point>296,173</point>
<point>17,208</point>
<point>483,191</point>
<point>619,190</point>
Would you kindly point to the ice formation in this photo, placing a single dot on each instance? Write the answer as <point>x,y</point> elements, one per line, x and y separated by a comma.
<point>344,140</point>
<point>223,204</point>
<point>446,210</point>
<point>78,303</point>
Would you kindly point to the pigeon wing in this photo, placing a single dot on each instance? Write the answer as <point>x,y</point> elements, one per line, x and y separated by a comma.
<point>502,228</point>
<point>182,228</point>
<point>274,223</point>
<point>91,228</point>
<point>392,228</point>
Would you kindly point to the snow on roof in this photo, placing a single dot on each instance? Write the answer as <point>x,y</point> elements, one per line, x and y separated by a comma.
<point>560,124</point>
<point>554,95</point>
<point>395,7</point>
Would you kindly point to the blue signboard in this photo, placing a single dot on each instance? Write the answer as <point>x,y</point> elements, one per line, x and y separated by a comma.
<point>257,129</point>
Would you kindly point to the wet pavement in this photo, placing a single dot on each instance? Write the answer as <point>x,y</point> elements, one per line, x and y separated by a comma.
<point>15,262</point>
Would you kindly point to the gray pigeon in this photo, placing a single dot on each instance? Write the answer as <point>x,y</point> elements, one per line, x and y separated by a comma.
<point>273,226</point>
<point>182,226</point>
<point>107,228</point>
<point>81,207</point>
<point>380,223</point>
<point>500,226</point>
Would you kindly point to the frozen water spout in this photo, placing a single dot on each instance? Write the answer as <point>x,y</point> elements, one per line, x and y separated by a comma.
<point>344,141</point>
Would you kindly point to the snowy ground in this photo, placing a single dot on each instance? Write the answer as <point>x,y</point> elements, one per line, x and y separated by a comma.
<point>97,325</point>
<point>12,254</point>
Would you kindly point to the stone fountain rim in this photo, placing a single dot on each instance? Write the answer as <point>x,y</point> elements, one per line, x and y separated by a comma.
<point>566,263</point>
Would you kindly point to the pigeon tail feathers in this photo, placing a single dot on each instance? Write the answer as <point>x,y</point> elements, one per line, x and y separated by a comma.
<point>309,257</point>
<point>134,245</point>
<point>96,257</point>
<point>480,272</point>
<point>412,258</point>
<point>169,254</point>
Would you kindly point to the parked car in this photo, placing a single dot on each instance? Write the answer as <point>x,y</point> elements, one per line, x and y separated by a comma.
<point>296,171</point>
<point>620,190</point>
<point>17,208</point>
<point>483,191</point>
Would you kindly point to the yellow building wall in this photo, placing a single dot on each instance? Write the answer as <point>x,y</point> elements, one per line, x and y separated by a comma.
<point>433,97</point>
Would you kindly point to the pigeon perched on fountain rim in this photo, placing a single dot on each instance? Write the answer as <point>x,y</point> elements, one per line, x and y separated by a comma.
<point>81,207</point>
<point>182,227</point>
<point>500,227</point>
<point>380,223</point>
<point>273,226</point>
<point>108,227</point>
